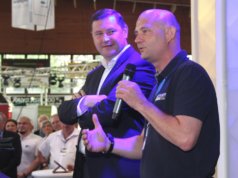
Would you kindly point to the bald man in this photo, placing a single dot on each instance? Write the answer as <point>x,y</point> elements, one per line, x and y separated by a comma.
<point>182,135</point>
<point>29,143</point>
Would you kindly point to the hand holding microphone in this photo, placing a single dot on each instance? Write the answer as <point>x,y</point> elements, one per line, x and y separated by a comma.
<point>128,75</point>
<point>130,93</point>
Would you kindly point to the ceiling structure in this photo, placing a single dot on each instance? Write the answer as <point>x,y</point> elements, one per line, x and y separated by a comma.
<point>173,3</point>
<point>155,3</point>
<point>49,41</point>
<point>71,34</point>
<point>41,76</point>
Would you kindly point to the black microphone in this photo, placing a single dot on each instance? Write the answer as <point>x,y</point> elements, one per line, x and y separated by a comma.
<point>128,74</point>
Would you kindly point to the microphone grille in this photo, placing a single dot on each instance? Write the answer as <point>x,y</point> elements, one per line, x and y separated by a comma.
<point>130,70</point>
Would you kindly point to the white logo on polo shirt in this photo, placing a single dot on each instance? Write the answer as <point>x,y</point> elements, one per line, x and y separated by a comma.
<point>161,96</point>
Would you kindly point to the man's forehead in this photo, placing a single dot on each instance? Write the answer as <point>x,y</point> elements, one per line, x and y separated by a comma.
<point>107,20</point>
<point>42,120</point>
<point>143,23</point>
<point>23,120</point>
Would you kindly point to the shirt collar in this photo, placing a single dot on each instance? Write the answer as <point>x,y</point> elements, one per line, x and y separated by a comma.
<point>111,63</point>
<point>74,133</point>
<point>177,60</point>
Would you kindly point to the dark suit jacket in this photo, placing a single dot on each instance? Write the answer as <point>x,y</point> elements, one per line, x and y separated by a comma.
<point>128,124</point>
<point>10,158</point>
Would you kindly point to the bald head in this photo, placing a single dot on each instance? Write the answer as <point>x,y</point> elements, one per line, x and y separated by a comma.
<point>158,37</point>
<point>24,125</point>
<point>161,17</point>
<point>25,119</point>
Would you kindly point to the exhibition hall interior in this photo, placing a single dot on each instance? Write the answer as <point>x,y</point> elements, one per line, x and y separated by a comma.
<point>45,63</point>
<point>47,50</point>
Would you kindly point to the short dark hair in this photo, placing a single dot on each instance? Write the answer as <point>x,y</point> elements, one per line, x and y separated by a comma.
<point>103,13</point>
<point>11,120</point>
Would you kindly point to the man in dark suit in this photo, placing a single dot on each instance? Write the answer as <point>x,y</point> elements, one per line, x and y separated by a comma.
<point>10,150</point>
<point>109,32</point>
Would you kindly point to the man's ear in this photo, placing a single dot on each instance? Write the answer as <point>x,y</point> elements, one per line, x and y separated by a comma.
<point>125,32</point>
<point>170,33</point>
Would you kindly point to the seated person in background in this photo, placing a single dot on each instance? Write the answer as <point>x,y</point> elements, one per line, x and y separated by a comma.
<point>55,122</point>
<point>60,146</point>
<point>11,125</point>
<point>47,128</point>
<point>40,120</point>
<point>29,143</point>
<point>10,150</point>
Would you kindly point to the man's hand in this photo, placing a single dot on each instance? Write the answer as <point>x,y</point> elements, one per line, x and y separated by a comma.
<point>70,167</point>
<point>130,93</point>
<point>91,100</point>
<point>80,94</point>
<point>95,140</point>
<point>21,175</point>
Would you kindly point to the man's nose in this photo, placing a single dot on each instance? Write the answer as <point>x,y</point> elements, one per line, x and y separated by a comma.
<point>137,39</point>
<point>105,37</point>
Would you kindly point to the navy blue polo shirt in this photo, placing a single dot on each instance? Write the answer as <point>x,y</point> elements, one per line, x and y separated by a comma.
<point>186,89</point>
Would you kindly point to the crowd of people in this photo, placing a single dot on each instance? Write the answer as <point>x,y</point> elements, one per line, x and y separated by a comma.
<point>22,151</point>
<point>168,124</point>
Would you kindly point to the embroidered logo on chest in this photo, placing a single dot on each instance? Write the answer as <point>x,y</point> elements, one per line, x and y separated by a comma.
<point>161,96</point>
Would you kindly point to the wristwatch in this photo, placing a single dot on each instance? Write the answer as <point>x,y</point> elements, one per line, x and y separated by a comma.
<point>111,139</point>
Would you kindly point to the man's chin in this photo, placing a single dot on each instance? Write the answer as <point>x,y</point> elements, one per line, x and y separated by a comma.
<point>108,55</point>
<point>144,56</point>
<point>147,58</point>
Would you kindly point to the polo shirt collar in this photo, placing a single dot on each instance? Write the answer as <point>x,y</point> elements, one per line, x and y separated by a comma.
<point>177,60</point>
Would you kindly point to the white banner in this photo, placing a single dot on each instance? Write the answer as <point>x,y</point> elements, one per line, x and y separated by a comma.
<point>33,14</point>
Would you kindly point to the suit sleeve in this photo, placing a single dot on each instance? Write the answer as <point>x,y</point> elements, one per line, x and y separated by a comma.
<point>67,111</point>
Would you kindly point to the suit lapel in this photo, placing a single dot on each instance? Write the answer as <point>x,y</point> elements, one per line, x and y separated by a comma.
<point>98,78</point>
<point>122,59</point>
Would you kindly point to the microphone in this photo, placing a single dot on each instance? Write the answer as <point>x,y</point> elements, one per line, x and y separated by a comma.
<point>128,74</point>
